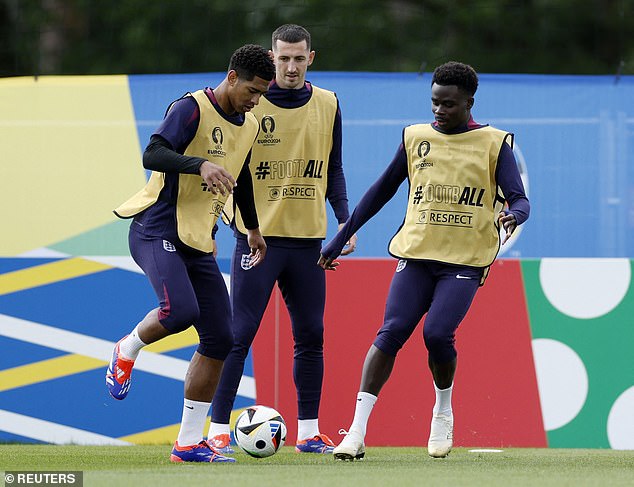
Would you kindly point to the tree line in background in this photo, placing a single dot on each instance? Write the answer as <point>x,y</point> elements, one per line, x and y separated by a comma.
<point>41,37</point>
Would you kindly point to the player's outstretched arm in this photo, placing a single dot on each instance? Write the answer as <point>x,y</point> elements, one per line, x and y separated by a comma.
<point>377,195</point>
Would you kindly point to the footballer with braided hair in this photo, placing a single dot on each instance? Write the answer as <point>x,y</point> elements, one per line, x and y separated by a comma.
<point>197,153</point>
<point>460,174</point>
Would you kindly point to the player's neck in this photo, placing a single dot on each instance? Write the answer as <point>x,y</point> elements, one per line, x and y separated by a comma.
<point>221,94</point>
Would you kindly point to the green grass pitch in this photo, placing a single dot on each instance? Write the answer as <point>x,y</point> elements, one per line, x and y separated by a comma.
<point>383,466</point>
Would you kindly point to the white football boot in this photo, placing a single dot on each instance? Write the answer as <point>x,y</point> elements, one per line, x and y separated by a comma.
<point>440,436</point>
<point>351,447</point>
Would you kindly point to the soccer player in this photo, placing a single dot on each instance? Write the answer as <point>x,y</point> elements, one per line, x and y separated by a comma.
<point>455,168</point>
<point>295,165</point>
<point>199,150</point>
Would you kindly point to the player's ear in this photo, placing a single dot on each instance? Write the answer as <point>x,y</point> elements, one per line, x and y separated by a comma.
<point>271,55</point>
<point>470,102</point>
<point>232,77</point>
<point>311,57</point>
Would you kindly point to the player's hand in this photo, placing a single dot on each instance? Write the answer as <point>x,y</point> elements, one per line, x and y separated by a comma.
<point>257,246</point>
<point>509,223</point>
<point>217,178</point>
<point>327,263</point>
<point>350,244</point>
<point>214,252</point>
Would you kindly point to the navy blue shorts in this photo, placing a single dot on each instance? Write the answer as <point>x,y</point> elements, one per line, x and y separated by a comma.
<point>190,289</point>
<point>442,291</point>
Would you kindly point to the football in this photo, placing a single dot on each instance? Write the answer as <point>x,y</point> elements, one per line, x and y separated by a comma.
<point>260,431</point>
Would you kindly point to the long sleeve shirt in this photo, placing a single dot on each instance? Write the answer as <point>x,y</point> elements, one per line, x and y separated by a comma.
<point>386,186</point>
<point>165,153</point>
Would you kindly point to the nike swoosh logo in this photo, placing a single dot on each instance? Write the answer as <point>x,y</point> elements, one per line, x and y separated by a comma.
<point>460,276</point>
<point>189,407</point>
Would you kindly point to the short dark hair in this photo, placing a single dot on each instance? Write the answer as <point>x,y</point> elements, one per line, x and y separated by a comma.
<point>292,33</point>
<point>252,60</point>
<point>459,74</point>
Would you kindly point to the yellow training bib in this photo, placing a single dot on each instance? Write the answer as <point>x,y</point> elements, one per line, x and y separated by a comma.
<point>454,199</point>
<point>289,167</point>
<point>197,209</point>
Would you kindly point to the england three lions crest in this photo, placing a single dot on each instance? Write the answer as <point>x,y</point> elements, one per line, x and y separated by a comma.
<point>245,262</point>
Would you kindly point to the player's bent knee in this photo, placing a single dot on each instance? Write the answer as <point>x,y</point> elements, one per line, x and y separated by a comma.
<point>217,348</point>
<point>435,341</point>
<point>179,318</point>
<point>441,348</point>
<point>387,344</point>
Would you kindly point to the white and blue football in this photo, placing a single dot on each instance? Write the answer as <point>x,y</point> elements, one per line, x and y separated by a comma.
<point>260,431</point>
